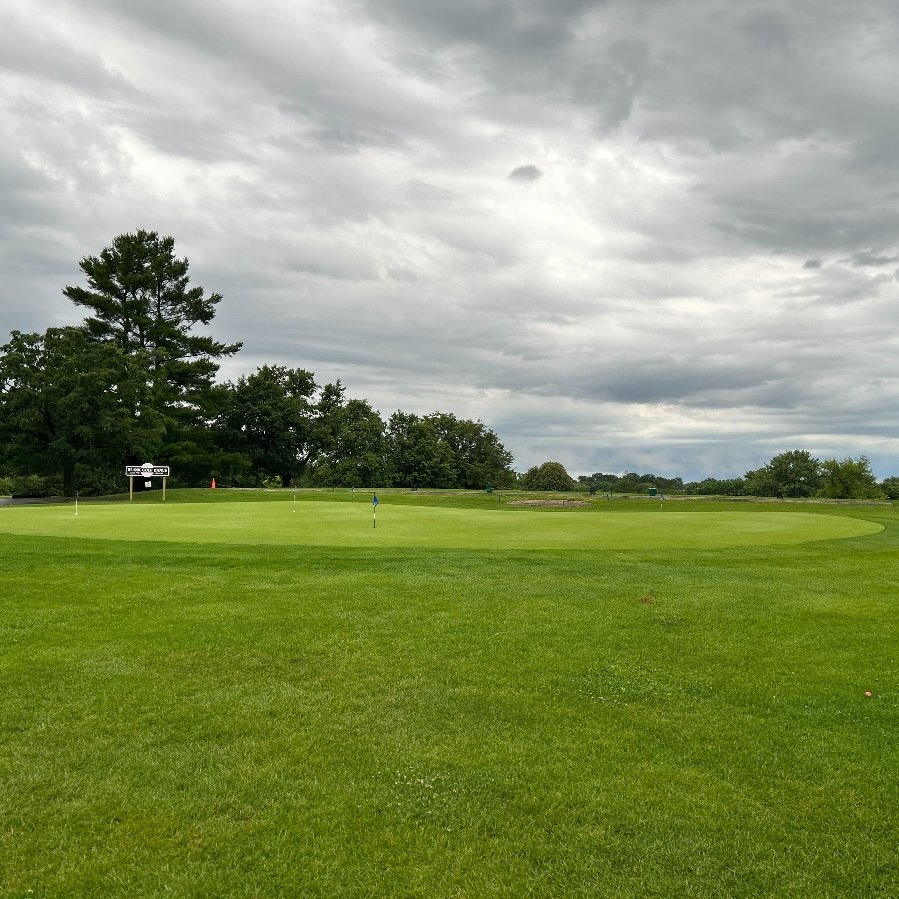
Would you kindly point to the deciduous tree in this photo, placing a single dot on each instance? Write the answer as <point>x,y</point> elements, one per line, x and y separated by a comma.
<point>267,417</point>
<point>890,487</point>
<point>418,457</point>
<point>548,476</point>
<point>796,473</point>
<point>358,453</point>
<point>849,479</point>
<point>66,401</point>
<point>441,450</point>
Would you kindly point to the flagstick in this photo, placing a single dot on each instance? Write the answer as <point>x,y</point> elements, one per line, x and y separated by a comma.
<point>374,515</point>
<point>294,502</point>
<point>76,502</point>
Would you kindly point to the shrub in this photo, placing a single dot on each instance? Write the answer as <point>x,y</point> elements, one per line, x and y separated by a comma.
<point>548,476</point>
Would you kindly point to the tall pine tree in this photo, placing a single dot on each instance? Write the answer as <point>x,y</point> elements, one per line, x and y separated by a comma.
<point>140,299</point>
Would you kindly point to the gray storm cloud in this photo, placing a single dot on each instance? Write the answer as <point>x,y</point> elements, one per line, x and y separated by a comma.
<point>525,173</point>
<point>705,276</point>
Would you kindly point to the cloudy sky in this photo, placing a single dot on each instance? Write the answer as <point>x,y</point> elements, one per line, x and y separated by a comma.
<point>651,235</point>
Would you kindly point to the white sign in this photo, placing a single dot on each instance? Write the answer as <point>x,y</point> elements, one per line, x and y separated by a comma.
<point>147,470</point>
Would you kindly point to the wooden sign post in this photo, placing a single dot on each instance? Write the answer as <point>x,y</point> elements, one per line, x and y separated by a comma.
<point>147,471</point>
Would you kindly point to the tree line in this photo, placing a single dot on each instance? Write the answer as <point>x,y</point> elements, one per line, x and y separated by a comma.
<point>136,382</point>
<point>791,474</point>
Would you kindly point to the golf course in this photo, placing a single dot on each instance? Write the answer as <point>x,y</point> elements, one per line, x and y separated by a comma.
<point>448,694</point>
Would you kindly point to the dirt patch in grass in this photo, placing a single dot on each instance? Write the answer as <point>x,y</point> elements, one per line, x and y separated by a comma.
<point>547,502</point>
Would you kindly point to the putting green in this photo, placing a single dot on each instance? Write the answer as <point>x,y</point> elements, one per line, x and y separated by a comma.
<point>350,524</point>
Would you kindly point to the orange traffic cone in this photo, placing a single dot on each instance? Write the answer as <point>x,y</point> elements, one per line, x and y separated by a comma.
<point>212,485</point>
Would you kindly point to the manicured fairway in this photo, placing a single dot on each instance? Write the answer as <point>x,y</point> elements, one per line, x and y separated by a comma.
<point>232,699</point>
<point>353,524</point>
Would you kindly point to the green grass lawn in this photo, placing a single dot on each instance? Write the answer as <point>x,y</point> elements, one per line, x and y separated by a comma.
<point>317,522</point>
<point>223,698</point>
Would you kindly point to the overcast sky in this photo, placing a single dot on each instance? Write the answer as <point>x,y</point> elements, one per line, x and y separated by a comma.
<point>648,235</point>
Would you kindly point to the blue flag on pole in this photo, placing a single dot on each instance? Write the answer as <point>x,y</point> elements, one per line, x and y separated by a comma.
<point>374,499</point>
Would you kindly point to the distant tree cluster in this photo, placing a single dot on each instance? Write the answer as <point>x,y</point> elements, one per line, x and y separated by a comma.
<point>716,487</point>
<point>788,475</point>
<point>798,474</point>
<point>630,482</point>
<point>136,382</point>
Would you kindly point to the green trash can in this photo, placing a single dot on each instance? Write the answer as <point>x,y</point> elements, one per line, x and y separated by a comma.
<point>489,489</point>
<point>652,491</point>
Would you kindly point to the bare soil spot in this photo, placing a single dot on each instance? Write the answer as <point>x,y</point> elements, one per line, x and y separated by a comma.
<point>547,502</point>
